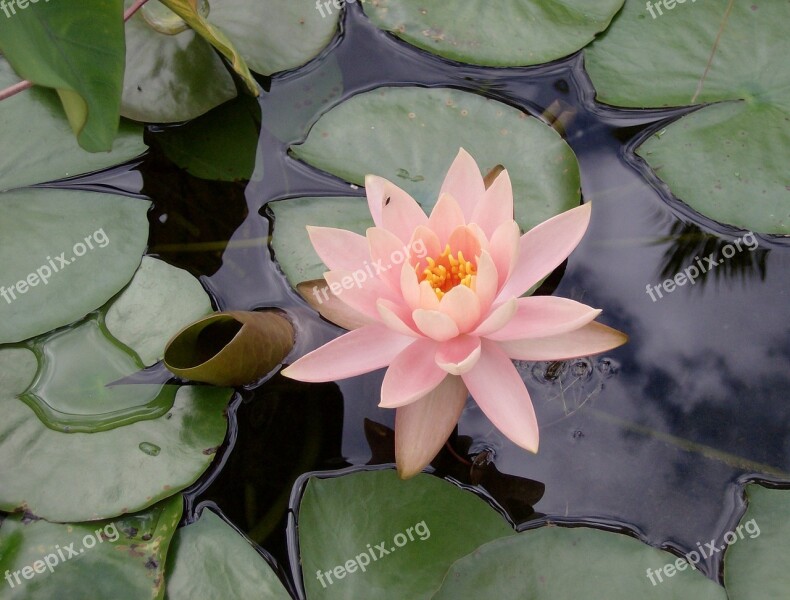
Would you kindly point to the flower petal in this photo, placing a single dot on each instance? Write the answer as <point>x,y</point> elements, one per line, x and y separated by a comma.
<point>504,249</point>
<point>428,298</point>
<point>445,217</point>
<point>497,318</point>
<point>317,294</point>
<point>398,211</point>
<point>422,427</point>
<point>544,316</point>
<point>386,253</point>
<point>501,394</point>
<point>397,317</point>
<point>424,242</point>
<point>360,351</point>
<point>459,355</point>
<point>411,375</point>
<point>465,240</point>
<point>486,281</point>
<point>359,291</point>
<point>436,325</point>
<point>339,248</point>
<point>544,247</point>
<point>593,338</point>
<point>462,306</point>
<point>496,205</point>
<point>464,183</point>
<point>410,286</point>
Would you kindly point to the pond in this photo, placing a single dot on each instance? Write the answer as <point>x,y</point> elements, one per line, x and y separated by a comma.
<point>657,439</point>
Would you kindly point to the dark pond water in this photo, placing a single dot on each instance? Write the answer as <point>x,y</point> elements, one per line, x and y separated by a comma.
<point>655,438</point>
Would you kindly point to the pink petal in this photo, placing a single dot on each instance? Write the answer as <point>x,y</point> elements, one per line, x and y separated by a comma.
<point>436,325</point>
<point>593,338</point>
<point>480,235</point>
<point>462,306</point>
<point>544,247</point>
<point>428,298</point>
<point>544,316</point>
<point>329,306</point>
<point>359,291</point>
<point>422,427</point>
<point>500,393</point>
<point>423,243</point>
<point>397,317</point>
<point>459,355</point>
<point>496,206</point>
<point>400,213</point>
<point>412,375</point>
<point>339,248</point>
<point>445,217</point>
<point>486,281</point>
<point>386,253</point>
<point>375,191</point>
<point>497,318</point>
<point>504,249</point>
<point>464,183</point>
<point>410,286</point>
<point>465,240</point>
<point>360,351</point>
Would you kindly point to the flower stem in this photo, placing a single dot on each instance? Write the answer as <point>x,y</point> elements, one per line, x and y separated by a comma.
<point>23,85</point>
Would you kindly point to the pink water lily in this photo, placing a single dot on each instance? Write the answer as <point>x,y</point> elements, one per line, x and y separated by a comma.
<point>448,320</point>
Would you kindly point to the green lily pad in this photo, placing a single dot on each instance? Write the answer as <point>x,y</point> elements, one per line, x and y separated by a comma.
<point>506,33</point>
<point>727,161</point>
<point>158,302</point>
<point>275,35</point>
<point>755,564</point>
<point>71,477</point>
<point>171,78</point>
<point>292,247</point>
<point>64,254</point>
<point>79,53</point>
<point>210,559</point>
<point>230,348</point>
<point>411,533</point>
<point>121,558</point>
<point>559,562</point>
<point>33,125</point>
<point>411,136</point>
<point>70,391</point>
<point>221,145</point>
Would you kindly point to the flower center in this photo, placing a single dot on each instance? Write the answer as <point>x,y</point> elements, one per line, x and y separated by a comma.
<point>447,271</point>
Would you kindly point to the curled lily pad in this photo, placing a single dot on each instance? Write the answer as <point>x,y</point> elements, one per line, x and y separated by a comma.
<point>416,527</point>
<point>230,348</point>
<point>53,560</point>
<point>559,562</point>
<point>411,135</point>
<point>79,53</point>
<point>210,559</point>
<point>758,549</point>
<point>727,160</point>
<point>506,33</point>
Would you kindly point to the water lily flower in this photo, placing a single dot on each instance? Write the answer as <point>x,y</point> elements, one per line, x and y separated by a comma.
<point>447,321</point>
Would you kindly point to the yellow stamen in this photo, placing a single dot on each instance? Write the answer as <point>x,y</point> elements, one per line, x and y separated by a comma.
<point>447,271</point>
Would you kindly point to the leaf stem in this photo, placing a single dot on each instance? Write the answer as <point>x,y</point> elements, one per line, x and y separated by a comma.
<point>24,85</point>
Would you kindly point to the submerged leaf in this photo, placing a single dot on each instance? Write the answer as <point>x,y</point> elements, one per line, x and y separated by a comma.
<point>230,348</point>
